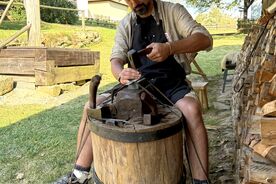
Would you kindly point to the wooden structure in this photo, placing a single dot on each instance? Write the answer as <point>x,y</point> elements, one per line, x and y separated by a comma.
<point>201,90</point>
<point>138,153</point>
<point>254,105</point>
<point>38,66</point>
<point>33,18</point>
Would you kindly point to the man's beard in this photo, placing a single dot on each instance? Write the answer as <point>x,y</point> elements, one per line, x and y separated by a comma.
<point>141,9</point>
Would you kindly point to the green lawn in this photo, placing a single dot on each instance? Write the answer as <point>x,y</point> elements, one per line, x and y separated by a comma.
<point>40,144</point>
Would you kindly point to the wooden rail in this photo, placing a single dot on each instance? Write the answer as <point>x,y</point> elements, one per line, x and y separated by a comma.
<point>6,11</point>
<point>16,35</point>
<point>33,18</point>
<point>42,6</point>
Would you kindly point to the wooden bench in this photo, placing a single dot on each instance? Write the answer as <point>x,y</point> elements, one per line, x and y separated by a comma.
<point>201,90</point>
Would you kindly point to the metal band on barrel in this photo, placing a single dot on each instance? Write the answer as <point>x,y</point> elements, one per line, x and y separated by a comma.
<point>134,137</point>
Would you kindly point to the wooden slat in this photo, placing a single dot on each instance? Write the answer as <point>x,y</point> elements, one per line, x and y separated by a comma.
<point>21,78</point>
<point>269,109</point>
<point>65,74</point>
<point>17,53</point>
<point>268,62</point>
<point>71,57</point>
<point>268,152</point>
<point>70,74</point>
<point>260,170</point>
<point>43,78</point>
<point>272,89</point>
<point>23,66</point>
<point>47,66</point>
<point>264,94</point>
<point>40,54</point>
<point>268,131</point>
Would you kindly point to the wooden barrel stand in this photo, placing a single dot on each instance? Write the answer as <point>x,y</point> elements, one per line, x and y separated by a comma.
<point>138,154</point>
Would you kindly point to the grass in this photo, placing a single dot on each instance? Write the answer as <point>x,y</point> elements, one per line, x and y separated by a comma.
<point>19,113</point>
<point>40,144</point>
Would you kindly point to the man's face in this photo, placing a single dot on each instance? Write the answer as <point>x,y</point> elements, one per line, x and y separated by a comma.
<point>142,8</point>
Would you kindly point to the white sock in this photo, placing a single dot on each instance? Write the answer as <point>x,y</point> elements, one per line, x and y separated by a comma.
<point>81,175</point>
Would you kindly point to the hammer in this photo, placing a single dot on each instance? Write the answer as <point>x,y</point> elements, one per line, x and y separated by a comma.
<point>133,56</point>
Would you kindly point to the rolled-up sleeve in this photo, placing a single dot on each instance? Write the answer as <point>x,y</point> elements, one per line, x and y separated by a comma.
<point>186,25</point>
<point>120,47</point>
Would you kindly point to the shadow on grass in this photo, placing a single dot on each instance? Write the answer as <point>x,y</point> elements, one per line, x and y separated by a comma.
<point>10,25</point>
<point>41,147</point>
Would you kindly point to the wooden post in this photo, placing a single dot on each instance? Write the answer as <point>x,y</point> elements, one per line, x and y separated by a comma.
<point>33,17</point>
<point>83,20</point>
<point>6,11</point>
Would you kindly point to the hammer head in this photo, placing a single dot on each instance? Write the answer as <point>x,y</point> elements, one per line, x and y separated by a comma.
<point>134,56</point>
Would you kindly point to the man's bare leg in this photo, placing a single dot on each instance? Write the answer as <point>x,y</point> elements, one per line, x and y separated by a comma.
<point>84,143</point>
<point>84,157</point>
<point>196,137</point>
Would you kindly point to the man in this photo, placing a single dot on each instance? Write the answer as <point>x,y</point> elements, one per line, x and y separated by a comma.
<point>171,32</point>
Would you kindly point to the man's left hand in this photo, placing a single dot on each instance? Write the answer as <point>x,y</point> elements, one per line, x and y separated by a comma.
<point>160,52</point>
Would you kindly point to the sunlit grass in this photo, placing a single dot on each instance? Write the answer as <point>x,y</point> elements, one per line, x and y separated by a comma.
<point>13,114</point>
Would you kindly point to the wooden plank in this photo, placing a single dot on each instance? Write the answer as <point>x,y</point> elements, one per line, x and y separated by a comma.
<point>47,66</point>
<point>21,78</point>
<point>266,75</point>
<point>17,53</point>
<point>268,131</point>
<point>264,94</point>
<point>268,152</point>
<point>65,74</point>
<point>269,109</point>
<point>43,78</point>
<point>268,62</point>
<point>40,54</point>
<point>71,74</point>
<point>260,170</point>
<point>272,89</point>
<point>71,57</point>
<point>24,66</point>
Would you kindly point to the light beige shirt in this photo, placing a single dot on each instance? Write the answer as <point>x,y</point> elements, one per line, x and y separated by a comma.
<point>177,24</point>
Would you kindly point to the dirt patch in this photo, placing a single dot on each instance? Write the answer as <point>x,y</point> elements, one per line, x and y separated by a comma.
<point>21,96</point>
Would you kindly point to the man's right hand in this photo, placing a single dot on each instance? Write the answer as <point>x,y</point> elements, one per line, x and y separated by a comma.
<point>128,74</point>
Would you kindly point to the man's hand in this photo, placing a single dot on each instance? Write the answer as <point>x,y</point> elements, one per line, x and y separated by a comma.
<point>160,51</point>
<point>128,74</point>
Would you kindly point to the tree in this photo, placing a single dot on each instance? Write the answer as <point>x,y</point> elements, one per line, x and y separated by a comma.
<point>59,16</point>
<point>215,17</point>
<point>222,4</point>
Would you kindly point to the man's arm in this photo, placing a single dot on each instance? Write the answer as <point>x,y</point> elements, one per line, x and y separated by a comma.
<point>191,44</point>
<point>123,75</point>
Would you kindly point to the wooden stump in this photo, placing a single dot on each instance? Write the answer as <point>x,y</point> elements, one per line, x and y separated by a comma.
<point>137,153</point>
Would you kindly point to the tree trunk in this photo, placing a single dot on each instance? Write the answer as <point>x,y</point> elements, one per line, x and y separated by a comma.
<point>245,9</point>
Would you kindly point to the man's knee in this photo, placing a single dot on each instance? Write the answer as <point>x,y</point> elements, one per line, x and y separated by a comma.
<point>189,106</point>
